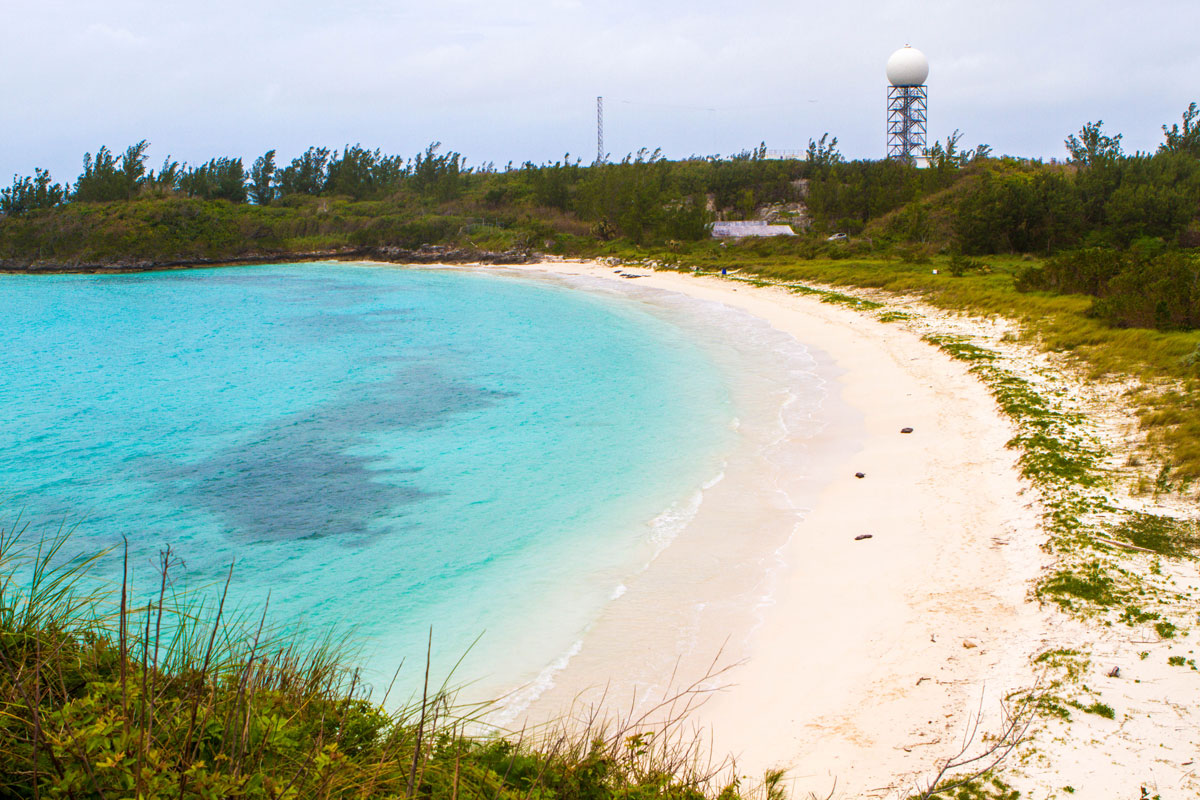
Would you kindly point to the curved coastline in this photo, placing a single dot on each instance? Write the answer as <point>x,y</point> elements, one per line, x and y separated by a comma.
<point>864,659</point>
<point>700,580</point>
<point>860,660</point>
<point>852,659</point>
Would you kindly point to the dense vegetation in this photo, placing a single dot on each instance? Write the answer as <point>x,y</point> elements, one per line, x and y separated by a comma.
<point>1143,287</point>
<point>967,201</point>
<point>1100,197</point>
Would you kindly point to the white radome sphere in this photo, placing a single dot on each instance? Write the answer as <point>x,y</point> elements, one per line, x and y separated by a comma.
<point>908,66</point>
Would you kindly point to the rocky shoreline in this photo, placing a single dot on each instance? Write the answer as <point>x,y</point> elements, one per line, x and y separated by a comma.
<point>425,254</point>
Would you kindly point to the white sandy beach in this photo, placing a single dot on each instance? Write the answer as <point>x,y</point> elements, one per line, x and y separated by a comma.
<point>858,665</point>
<point>873,653</point>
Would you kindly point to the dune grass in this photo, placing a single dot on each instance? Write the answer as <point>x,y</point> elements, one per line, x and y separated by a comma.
<point>100,698</point>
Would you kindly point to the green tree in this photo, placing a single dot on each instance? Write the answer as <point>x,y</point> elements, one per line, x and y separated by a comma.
<point>823,154</point>
<point>437,175</point>
<point>133,163</point>
<point>850,194</point>
<point>980,152</point>
<point>219,179</point>
<point>360,174</point>
<point>1135,210</point>
<point>686,220</point>
<point>262,179</point>
<point>1085,271</point>
<point>1187,138</point>
<point>166,180</point>
<point>306,174</point>
<point>106,178</point>
<point>912,222</point>
<point>1092,146</point>
<point>31,193</point>
<point>552,185</point>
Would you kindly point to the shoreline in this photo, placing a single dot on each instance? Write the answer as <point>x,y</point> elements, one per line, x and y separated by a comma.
<point>775,397</point>
<point>872,652</point>
<point>426,254</point>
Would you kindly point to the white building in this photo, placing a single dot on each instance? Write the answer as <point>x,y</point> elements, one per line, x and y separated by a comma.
<point>742,229</point>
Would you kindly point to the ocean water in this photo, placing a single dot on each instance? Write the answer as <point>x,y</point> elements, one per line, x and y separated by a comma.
<point>386,452</point>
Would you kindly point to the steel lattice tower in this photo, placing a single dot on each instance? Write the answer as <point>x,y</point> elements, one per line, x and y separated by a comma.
<point>907,121</point>
<point>908,104</point>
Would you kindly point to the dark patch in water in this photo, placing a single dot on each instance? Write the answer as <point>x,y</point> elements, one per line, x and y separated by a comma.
<point>304,476</point>
<point>287,488</point>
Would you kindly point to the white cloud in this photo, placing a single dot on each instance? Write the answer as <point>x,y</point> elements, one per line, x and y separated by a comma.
<point>107,34</point>
<point>501,80</point>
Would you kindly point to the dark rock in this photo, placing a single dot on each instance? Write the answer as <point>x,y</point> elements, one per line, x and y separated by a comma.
<point>445,254</point>
<point>147,265</point>
<point>862,536</point>
<point>906,430</point>
<point>425,254</point>
<point>860,474</point>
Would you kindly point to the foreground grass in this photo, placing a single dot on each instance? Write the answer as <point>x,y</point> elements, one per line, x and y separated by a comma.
<point>101,700</point>
<point>104,698</point>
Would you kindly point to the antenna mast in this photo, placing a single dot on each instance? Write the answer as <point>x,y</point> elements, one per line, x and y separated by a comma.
<point>599,130</point>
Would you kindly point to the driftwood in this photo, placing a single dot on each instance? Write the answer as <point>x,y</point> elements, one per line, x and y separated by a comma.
<point>1017,717</point>
<point>1126,545</point>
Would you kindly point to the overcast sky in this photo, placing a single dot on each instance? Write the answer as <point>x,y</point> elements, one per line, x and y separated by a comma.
<point>513,81</point>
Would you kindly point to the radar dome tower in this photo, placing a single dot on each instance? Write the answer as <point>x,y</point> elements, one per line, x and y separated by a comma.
<point>907,70</point>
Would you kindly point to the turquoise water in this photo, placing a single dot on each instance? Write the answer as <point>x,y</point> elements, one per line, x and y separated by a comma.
<point>381,449</point>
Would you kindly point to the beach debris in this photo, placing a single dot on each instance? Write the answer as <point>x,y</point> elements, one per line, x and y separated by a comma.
<point>862,536</point>
<point>909,749</point>
<point>1126,545</point>
<point>860,474</point>
<point>1115,672</point>
<point>906,430</point>
<point>444,254</point>
<point>922,679</point>
<point>968,644</point>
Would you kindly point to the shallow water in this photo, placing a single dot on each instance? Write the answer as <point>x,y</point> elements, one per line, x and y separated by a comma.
<point>389,450</point>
